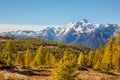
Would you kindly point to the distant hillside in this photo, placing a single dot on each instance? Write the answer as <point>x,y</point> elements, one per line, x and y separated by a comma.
<point>52,46</point>
<point>5,37</point>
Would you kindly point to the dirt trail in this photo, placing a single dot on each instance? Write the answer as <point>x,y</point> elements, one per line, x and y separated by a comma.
<point>41,75</point>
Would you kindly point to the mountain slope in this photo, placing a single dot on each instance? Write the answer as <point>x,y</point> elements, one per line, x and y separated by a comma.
<point>81,32</point>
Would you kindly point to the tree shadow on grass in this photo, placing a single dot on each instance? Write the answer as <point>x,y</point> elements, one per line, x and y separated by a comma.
<point>30,72</point>
<point>107,72</point>
<point>23,72</point>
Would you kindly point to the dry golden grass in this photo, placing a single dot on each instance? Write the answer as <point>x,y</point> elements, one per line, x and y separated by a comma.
<point>96,75</point>
<point>46,75</point>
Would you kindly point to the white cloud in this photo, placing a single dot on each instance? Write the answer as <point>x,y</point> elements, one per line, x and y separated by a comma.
<point>12,27</point>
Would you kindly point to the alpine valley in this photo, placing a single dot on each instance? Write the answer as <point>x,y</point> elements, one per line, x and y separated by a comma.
<point>80,32</point>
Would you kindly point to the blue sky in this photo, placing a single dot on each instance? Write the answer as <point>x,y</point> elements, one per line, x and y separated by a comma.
<point>58,12</point>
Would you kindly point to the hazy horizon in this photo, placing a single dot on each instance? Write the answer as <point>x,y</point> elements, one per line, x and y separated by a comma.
<point>33,27</point>
<point>16,27</point>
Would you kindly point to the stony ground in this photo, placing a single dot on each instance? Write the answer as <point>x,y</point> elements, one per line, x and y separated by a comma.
<point>46,75</point>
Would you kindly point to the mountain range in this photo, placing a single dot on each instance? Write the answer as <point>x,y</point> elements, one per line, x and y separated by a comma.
<point>80,32</point>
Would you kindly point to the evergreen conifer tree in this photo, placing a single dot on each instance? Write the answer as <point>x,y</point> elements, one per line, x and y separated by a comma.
<point>28,57</point>
<point>66,68</point>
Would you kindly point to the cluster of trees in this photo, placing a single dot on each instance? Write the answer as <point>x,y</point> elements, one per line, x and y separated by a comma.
<point>56,48</point>
<point>64,67</point>
<point>104,58</point>
<point>26,58</point>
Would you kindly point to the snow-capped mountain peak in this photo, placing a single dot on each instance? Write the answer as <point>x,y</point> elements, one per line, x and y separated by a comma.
<point>84,21</point>
<point>80,32</point>
<point>81,26</point>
